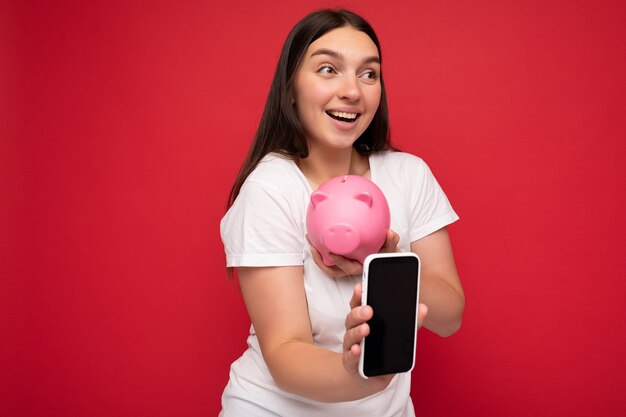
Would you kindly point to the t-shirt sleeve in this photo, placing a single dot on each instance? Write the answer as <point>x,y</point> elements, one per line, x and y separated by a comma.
<point>260,229</point>
<point>430,208</point>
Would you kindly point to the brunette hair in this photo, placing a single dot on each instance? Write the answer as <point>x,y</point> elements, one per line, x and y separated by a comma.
<point>280,129</point>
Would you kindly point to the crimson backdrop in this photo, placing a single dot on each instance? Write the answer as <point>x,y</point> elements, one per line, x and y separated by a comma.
<point>124,123</point>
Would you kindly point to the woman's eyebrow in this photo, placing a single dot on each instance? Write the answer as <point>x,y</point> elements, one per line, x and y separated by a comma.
<point>337,55</point>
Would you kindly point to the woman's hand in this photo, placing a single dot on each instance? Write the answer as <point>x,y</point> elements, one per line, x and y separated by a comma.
<point>357,329</point>
<point>344,266</point>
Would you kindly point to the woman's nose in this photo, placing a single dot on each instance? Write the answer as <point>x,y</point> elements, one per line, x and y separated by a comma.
<point>349,89</point>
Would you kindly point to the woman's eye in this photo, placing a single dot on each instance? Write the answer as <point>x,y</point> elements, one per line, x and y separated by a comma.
<point>326,69</point>
<point>370,75</point>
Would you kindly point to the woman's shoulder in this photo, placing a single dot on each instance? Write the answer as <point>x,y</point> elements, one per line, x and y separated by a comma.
<point>271,164</point>
<point>274,169</point>
<point>395,161</point>
<point>277,175</point>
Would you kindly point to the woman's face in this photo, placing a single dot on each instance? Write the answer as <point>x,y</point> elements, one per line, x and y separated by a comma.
<point>337,88</point>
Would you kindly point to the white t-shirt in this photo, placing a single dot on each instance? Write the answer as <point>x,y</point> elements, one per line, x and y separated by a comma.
<point>266,226</point>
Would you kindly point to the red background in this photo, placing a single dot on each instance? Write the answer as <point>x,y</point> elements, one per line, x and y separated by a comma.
<point>123,125</point>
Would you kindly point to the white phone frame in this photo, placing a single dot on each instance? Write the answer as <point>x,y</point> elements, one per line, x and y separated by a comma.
<point>366,265</point>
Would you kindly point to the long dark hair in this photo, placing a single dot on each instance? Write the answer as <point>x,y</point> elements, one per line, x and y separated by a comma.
<point>280,129</point>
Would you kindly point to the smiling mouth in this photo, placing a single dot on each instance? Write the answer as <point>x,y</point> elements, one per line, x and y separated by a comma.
<point>343,116</point>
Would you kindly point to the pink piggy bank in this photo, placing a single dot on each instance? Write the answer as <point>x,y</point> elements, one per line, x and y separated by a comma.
<point>348,216</point>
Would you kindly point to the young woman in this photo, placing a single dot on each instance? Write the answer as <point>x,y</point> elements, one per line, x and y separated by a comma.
<point>326,115</point>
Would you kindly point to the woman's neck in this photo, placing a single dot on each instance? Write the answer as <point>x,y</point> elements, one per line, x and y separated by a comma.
<point>320,166</point>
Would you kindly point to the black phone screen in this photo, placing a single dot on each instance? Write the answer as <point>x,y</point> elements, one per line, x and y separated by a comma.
<point>392,294</point>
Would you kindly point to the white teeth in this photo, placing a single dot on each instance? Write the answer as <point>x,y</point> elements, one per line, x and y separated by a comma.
<point>344,115</point>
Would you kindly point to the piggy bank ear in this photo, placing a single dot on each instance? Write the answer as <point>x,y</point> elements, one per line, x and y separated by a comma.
<point>317,197</point>
<point>365,197</point>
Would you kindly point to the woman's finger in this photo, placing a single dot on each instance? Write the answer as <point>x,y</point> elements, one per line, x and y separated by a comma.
<point>329,270</point>
<point>422,312</point>
<point>354,336</point>
<point>391,242</point>
<point>358,315</point>
<point>343,266</point>
<point>347,266</point>
<point>351,359</point>
<point>355,301</point>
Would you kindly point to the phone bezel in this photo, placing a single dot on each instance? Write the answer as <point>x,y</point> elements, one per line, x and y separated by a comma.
<point>366,266</point>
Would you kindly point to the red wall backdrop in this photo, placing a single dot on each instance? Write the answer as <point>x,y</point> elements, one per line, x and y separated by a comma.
<point>124,123</point>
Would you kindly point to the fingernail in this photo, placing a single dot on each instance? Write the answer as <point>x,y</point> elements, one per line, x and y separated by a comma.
<point>364,312</point>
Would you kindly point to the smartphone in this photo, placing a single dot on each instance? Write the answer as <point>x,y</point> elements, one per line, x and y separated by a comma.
<point>391,288</point>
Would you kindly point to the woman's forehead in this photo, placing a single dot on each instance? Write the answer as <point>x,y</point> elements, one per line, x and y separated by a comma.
<point>346,42</point>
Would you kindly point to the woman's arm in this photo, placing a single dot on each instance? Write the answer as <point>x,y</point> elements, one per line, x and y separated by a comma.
<point>440,286</point>
<point>276,301</point>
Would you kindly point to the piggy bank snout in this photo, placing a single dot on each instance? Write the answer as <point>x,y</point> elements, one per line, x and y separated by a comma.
<point>341,238</point>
